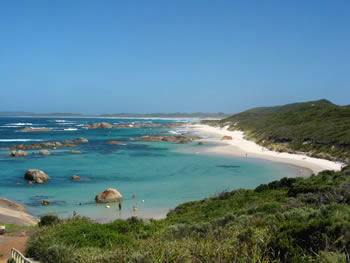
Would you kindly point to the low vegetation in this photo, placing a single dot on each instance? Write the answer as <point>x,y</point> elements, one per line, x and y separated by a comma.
<point>319,128</point>
<point>290,220</point>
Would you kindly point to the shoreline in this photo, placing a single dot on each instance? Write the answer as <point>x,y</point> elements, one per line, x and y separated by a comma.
<point>12,212</point>
<point>240,147</point>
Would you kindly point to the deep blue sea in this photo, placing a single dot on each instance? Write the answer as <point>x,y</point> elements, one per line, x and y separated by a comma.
<point>159,174</point>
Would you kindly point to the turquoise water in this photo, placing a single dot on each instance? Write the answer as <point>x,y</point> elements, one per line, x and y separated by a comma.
<point>158,174</point>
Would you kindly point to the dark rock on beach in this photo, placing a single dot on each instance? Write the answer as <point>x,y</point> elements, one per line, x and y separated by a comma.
<point>37,176</point>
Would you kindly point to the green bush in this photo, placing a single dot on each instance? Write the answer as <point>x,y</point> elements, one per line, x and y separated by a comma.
<point>48,220</point>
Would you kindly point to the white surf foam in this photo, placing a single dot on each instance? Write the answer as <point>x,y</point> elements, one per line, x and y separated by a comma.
<point>19,124</point>
<point>66,123</point>
<point>70,129</point>
<point>20,140</point>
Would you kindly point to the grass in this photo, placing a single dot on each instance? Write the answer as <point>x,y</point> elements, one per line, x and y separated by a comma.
<point>319,128</point>
<point>10,228</point>
<point>290,220</point>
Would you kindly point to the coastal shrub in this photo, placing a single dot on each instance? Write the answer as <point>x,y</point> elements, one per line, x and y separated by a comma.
<point>48,220</point>
<point>332,257</point>
<point>267,225</point>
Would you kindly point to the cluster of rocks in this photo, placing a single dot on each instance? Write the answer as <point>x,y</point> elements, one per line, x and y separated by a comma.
<point>106,125</point>
<point>109,195</point>
<point>35,130</point>
<point>54,145</point>
<point>226,137</point>
<point>18,153</point>
<point>171,138</point>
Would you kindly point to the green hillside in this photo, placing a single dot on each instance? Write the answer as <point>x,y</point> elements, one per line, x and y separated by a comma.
<point>291,220</point>
<point>320,128</point>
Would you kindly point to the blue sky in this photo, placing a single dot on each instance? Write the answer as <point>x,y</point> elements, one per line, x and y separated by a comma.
<point>171,56</point>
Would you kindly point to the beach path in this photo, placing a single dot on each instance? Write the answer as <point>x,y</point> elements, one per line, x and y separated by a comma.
<point>8,242</point>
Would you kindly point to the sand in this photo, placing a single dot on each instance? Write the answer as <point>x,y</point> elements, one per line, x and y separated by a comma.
<point>241,147</point>
<point>15,213</point>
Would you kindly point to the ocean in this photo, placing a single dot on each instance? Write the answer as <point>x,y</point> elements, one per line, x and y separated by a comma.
<point>162,175</point>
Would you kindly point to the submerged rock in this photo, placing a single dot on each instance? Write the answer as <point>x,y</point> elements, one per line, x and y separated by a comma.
<point>34,130</point>
<point>81,140</point>
<point>75,152</point>
<point>75,177</point>
<point>18,153</point>
<point>109,195</point>
<point>44,152</point>
<point>37,176</point>
<point>45,202</point>
<point>114,142</point>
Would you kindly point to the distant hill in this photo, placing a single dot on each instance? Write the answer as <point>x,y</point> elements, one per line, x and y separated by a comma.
<point>320,128</point>
<point>218,115</point>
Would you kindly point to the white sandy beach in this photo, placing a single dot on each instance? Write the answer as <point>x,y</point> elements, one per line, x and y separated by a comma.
<point>239,146</point>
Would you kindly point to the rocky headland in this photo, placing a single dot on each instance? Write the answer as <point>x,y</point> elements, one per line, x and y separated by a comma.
<point>171,138</point>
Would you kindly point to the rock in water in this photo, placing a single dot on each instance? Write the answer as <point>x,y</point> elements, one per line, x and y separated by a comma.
<point>44,152</point>
<point>37,176</point>
<point>113,142</point>
<point>45,202</point>
<point>76,177</point>
<point>81,140</point>
<point>109,195</point>
<point>18,153</point>
<point>76,152</point>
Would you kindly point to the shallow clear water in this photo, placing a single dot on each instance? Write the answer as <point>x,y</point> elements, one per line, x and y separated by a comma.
<point>157,173</point>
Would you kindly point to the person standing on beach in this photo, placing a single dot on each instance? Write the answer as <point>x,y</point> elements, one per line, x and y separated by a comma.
<point>120,206</point>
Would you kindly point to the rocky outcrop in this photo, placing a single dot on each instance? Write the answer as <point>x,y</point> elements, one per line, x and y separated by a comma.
<point>113,142</point>
<point>75,177</point>
<point>76,152</point>
<point>226,137</point>
<point>99,125</point>
<point>173,138</point>
<point>44,152</point>
<point>18,153</point>
<point>109,195</point>
<point>37,176</point>
<point>35,130</point>
<point>81,140</point>
<point>129,125</point>
<point>14,213</point>
<point>41,145</point>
